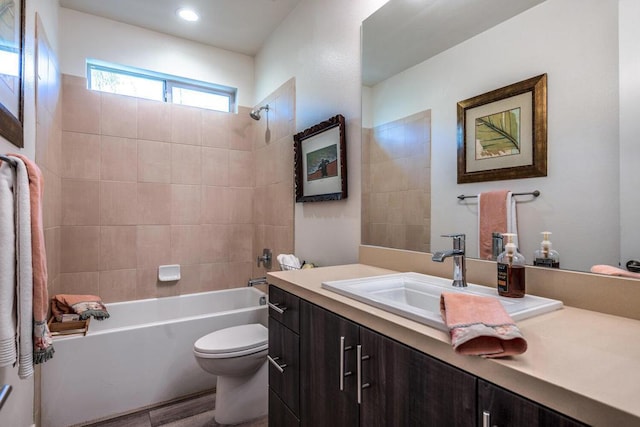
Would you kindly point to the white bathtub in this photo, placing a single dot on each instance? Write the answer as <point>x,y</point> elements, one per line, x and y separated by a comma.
<point>141,356</point>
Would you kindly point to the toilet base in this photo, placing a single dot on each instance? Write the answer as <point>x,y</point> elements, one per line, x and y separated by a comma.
<point>241,399</point>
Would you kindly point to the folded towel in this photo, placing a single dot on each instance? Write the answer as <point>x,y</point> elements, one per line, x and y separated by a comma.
<point>8,325</point>
<point>83,305</point>
<point>497,213</point>
<point>480,326</point>
<point>42,341</point>
<point>288,262</point>
<point>613,271</point>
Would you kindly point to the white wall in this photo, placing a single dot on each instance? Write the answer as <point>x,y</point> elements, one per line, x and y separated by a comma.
<point>87,36</point>
<point>18,410</point>
<point>319,45</point>
<point>579,201</point>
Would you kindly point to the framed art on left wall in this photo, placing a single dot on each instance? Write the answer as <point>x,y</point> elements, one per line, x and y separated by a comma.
<point>12,70</point>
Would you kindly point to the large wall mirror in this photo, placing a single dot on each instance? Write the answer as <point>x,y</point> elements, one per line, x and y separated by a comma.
<point>420,58</point>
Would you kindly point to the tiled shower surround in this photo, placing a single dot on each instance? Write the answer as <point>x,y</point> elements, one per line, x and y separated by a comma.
<point>146,183</point>
<point>396,183</point>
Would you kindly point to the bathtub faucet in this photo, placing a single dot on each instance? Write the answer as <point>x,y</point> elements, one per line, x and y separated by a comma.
<point>457,253</point>
<point>258,281</point>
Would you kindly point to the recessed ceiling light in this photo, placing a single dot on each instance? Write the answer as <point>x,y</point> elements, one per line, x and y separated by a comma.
<point>188,14</point>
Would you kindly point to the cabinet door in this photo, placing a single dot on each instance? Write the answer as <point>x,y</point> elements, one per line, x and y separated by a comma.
<point>279,414</point>
<point>284,366</point>
<point>407,388</point>
<point>323,403</point>
<point>504,408</point>
<point>284,307</point>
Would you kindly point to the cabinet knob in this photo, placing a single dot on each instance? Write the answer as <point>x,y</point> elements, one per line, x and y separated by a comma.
<point>278,366</point>
<point>276,307</point>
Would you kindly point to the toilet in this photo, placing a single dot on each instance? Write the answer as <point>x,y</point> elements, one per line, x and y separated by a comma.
<point>238,356</point>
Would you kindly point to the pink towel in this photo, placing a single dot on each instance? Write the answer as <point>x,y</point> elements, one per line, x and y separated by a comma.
<point>43,350</point>
<point>497,213</point>
<point>614,271</point>
<point>480,326</point>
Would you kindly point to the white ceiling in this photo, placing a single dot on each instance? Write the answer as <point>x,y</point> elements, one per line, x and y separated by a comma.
<point>236,25</point>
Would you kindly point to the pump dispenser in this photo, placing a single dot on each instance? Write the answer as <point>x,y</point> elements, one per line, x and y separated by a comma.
<point>511,276</point>
<point>545,256</point>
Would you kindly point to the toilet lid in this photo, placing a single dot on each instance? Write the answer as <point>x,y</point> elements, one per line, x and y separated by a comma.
<point>233,339</point>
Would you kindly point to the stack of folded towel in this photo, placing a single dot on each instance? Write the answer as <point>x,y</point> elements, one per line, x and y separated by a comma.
<point>289,262</point>
<point>83,305</point>
<point>480,326</point>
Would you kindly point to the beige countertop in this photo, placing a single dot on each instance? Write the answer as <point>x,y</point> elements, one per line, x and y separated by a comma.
<point>579,362</point>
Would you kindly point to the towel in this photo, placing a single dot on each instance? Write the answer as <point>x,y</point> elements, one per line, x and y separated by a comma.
<point>480,326</point>
<point>288,262</point>
<point>613,271</point>
<point>83,305</point>
<point>8,325</point>
<point>497,213</point>
<point>42,341</point>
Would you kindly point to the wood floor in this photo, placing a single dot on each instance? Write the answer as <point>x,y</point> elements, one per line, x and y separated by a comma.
<point>198,411</point>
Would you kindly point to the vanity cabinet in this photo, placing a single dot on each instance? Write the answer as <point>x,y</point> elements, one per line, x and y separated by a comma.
<point>351,375</point>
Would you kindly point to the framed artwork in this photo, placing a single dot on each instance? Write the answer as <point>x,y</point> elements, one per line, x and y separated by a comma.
<point>321,161</point>
<point>502,134</point>
<point>11,70</point>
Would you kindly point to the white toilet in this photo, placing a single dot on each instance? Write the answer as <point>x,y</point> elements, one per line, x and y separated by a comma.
<point>238,356</point>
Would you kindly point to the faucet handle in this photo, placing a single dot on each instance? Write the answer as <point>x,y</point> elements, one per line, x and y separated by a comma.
<point>458,240</point>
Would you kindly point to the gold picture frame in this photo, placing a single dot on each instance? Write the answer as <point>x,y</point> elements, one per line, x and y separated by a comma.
<point>502,134</point>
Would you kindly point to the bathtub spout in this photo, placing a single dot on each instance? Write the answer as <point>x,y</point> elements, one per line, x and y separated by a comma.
<point>258,281</point>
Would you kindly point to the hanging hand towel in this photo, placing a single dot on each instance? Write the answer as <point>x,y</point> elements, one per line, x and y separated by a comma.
<point>8,326</point>
<point>497,213</point>
<point>42,341</point>
<point>83,305</point>
<point>480,326</point>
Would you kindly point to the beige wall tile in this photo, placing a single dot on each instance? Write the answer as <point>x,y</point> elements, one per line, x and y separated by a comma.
<point>119,115</point>
<point>118,247</point>
<point>154,120</point>
<point>214,277</point>
<point>189,282</point>
<point>215,166</point>
<point>52,248</point>
<point>239,274</point>
<point>118,203</point>
<point>81,109</point>
<point>148,285</point>
<point>241,205</point>
<point>186,125</point>
<point>241,243</point>
<point>80,249</point>
<point>154,203</point>
<point>118,285</point>
<point>154,161</point>
<point>186,244</point>
<point>186,205</point>
<point>80,202</point>
<point>118,159</point>
<point>186,164</point>
<point>241,169</point>
<point>216,129</point>
<point>215,205</point>
<point>80,155</point>
<point>214,243</point>
<point>241,126</point>
<point>153,246</point>
<point>87,283</point>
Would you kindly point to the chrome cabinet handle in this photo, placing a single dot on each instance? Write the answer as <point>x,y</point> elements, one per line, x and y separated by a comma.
<point>486,419</point>
<point>361,386</point>
<point>5,391</point>
<point>273,361</point>
<point>275,305</point>
<point>343,374</point>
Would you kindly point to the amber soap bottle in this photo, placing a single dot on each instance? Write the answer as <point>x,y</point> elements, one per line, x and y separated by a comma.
<point>511,277</point>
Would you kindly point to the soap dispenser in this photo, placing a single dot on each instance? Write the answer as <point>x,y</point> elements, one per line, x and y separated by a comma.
<point>511,275</point>
<point>545,256</point>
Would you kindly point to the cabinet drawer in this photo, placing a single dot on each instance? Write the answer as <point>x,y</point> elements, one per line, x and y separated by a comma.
<point>284,367</point>
<point>279,414</point>
<point>285,308</point>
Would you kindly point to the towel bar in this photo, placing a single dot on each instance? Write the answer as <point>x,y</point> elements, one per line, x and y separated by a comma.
<point>8,160</point>
<point>4,394</point>
<point>535,193</point>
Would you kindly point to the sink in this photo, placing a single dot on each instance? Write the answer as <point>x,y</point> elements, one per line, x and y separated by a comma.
<point>417,296</point>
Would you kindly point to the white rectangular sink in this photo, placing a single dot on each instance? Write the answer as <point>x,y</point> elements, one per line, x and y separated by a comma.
<point>417,296</point>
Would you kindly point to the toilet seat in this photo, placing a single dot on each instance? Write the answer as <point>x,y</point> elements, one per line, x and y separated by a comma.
<point>233,342</point>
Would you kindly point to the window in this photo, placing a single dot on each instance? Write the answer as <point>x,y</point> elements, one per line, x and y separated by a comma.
<point>159,87</point>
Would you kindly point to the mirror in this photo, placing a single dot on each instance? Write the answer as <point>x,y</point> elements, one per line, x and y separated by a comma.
<point>422,58</point>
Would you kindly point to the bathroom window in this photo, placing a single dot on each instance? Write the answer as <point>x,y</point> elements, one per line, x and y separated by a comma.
<point>159,87</point>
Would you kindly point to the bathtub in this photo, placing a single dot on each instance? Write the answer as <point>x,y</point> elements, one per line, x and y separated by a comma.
<point>141,356</point>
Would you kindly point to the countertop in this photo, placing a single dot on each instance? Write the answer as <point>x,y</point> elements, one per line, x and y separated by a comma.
<point>581,363</point>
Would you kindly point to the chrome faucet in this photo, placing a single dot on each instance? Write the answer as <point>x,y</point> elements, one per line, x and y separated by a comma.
<point>459,266</point>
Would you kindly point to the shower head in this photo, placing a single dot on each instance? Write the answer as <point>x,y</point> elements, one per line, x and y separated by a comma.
<point>255,113</point>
